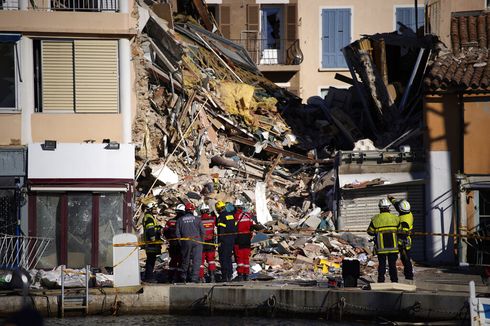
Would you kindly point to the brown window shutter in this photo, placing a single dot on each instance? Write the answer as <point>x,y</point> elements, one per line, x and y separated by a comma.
<point>291,22</point>
<point>225,20</point>
<point>253,17</point>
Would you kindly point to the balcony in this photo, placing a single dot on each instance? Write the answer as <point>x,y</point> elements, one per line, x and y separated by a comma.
<point>273,52</point>
<point>64,5</point>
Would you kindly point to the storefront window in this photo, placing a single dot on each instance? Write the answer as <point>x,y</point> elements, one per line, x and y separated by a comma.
<point>79,223</point>
<point>110,224</point>
<point>48,211</point>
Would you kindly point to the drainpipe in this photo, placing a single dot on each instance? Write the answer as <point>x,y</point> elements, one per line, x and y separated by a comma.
<point>125,79</point>
<point>125,88</point>
<point>26,83</point>
<point>462,220</point>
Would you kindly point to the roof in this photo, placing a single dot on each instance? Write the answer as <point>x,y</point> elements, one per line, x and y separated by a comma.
<point>467,66</point>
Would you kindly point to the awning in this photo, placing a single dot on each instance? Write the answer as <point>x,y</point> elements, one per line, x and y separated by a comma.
<point>357,180</point>
<point>78,189</point>
<point>9,38</point>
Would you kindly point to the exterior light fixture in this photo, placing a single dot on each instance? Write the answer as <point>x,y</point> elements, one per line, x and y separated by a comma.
<point>49,145</point>
<point>112,145</point>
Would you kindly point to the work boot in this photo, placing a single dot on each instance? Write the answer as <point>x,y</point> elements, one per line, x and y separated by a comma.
<point>212,278</point>
<point>245,277</point>
<point>239,278</point>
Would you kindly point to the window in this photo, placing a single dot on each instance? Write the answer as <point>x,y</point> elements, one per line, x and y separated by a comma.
<point>78,76</point>
<point>82,225</point>
<point>336,34</point>
<point>8,73</point>
<point>406,16</point>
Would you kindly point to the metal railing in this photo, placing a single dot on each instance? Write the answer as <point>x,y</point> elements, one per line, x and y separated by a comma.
<point>9,4</point>
<point>21,251</point>
<point>85,5</point>
<point>272,51</point>
<point>64,5</point>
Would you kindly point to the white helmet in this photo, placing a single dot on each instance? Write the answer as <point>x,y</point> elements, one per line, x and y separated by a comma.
<point>384,203</point>
<point>180,208</point>
<point>204,207</point>
<point>150,205</point>
<point>404,206</point>
<point>238,203</point>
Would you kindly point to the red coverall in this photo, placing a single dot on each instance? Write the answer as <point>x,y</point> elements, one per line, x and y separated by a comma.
<point>208,251</point>
<point>174,251</point>
<point>244,223</point>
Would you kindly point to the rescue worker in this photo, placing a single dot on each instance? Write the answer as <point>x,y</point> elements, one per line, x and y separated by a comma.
<point>190,208</point>
<point>384,228</point>
<point>208,221</point>
<point>175,264</point>
<point>245,225</point>
<point>226,238</point>
<point>190,228</point>
<point>404,230</point>
<point>152,233</point>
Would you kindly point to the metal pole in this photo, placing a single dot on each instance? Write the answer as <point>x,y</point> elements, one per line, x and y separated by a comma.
<point>462,221</point>
<point>416,17</point>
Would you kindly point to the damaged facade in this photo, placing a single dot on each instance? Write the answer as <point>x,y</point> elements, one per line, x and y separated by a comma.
<point>205,115</point>
<point>66,112</point>
<point>456,115</point>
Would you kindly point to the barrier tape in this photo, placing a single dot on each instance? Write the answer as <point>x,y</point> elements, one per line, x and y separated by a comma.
<point>454,235</point>
<point>142,243</point>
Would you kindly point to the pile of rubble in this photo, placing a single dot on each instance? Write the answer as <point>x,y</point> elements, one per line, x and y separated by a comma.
<point>210,127</point>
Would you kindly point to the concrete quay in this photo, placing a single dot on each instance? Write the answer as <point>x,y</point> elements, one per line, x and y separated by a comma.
<point>440,296</point>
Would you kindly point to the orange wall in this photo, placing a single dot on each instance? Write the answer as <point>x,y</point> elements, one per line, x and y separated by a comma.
<point>477,136</point>
<point>75,128</point>
<point>440,15</point>
<point>10,129</point>
<point>34,22</point>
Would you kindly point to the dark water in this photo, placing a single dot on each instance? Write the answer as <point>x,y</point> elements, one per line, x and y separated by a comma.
<point>159,320</point>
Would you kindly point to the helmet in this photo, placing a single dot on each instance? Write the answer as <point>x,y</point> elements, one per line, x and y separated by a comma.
<point>189,207</point>
<point>180,208</point>
<point>384,203</point>
<point>404,206</point>
<point>150,205</point>
<point>238,203</point>
<point>204,207</point>
<point>220,205</point>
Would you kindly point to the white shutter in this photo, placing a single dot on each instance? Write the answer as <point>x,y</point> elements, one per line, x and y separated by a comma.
<point>96,76</point>
<point>57,76</point>
<point>358,206</point>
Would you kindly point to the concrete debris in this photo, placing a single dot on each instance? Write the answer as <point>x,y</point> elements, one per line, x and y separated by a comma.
<point>210,127</point>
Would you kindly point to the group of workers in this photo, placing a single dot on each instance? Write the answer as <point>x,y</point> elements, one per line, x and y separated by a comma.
<point>193,239</point>
<point>392,236</point>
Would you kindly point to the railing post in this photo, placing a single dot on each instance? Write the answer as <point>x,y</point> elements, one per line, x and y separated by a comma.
<point>23,4</point>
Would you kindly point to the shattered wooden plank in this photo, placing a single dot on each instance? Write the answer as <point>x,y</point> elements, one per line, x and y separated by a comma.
<point>270,149</point>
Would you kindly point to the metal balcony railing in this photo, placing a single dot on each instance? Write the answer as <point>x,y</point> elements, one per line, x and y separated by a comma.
<point>272,51</point>
<point>85,5</point>
<point>64,5</point>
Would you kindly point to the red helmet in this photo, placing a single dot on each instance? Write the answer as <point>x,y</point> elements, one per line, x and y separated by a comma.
<point>189,207</point>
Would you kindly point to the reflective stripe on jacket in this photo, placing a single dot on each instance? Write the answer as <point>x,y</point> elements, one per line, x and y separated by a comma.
<point>384,226</point>
<point>226,226</point>
<point>404,230</point>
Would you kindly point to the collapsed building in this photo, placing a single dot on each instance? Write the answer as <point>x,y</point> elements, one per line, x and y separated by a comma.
<point>211,127</point>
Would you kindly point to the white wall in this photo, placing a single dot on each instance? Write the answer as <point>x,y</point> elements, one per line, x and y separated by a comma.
<point>439,214</point>
<point>80,161</point>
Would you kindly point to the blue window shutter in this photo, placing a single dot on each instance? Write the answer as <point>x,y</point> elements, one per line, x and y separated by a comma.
<point>335,35</point>
<point>407,17</point>
<point>328,38</point>
<point>344,39</point>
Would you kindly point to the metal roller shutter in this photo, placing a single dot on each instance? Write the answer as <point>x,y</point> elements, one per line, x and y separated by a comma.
<point>57,76</point>
<point>358,206</point>
<point>96,76</point>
